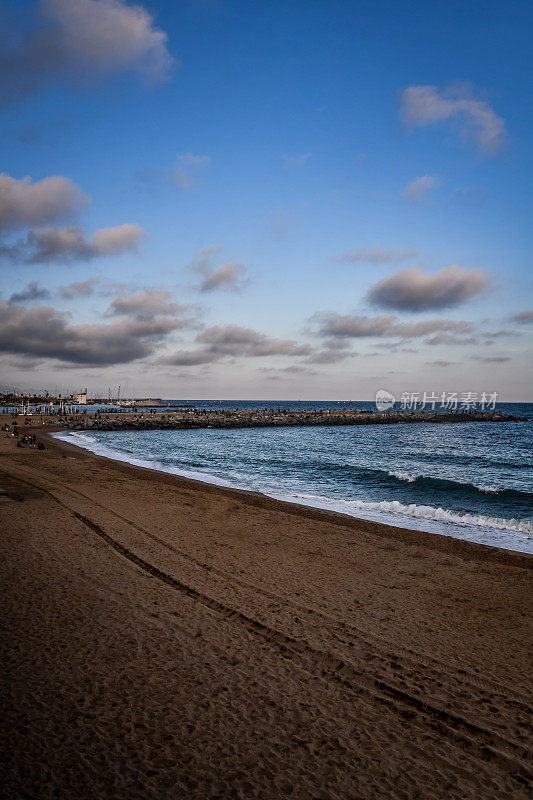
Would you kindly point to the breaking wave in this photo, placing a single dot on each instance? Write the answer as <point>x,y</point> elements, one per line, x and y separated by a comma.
<point>446,483</point>
<point>442,515</point>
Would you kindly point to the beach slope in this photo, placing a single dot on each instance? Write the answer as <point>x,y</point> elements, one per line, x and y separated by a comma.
<point>164,638</point>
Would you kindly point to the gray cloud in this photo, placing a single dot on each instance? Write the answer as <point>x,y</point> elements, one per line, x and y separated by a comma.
<point>227,277</point>
<point>441,363</point>
<point>333,350</point>
<point>33,291</point>
<point>278,347</point>
<point>189,358</point>
<point>67,244</point>
<point>385,326</point>
<point>523,317</point>
<point>326,356</point>
<point>294,369</point>
<point>26,364</point>
<point>474,118</point>
<point>377,255</point>
<point>202,261</point>
<point>78,289</point>
<point>418,189</point>
<point>146,305</point>
<point>233,341</point>
<point>44,332</point>
<point>446,338</point>
<point>337,343</point>
<point>23,203</point>
<point>491,359</point>
<point>501,334</point>
<point>81,38</point>
<point>412,290</point>
<point>394,347</point>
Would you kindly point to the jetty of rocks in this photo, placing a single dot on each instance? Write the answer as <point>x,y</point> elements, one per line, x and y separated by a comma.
<point>265,418</point>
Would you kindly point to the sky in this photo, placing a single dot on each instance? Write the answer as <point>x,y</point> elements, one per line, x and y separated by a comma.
<point>266,200</point>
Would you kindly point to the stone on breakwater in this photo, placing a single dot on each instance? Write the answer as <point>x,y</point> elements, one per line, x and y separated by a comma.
<point>194,419</point>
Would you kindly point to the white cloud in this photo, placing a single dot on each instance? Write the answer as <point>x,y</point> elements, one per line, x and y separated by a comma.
<point>109,35</point>
<point>110,241</point>
<point>475,119</point>
<point>83,39</point>
<point>419,188</point>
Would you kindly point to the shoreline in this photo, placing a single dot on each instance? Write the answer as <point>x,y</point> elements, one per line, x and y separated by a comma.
<point>167,637</point>
<point>308,511</point>
<point>471,529</point>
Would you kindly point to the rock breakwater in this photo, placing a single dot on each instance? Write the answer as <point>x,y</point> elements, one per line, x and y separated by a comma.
<point>266,418</point>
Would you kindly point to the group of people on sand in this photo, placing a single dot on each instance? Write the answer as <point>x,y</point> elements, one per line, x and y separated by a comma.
<point>28,440</point>
<point>8,432</point>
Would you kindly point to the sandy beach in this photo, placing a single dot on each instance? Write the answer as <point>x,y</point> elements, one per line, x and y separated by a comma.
<point>164,638</point>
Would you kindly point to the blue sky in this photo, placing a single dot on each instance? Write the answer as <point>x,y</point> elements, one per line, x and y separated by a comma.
<point>318,149</point>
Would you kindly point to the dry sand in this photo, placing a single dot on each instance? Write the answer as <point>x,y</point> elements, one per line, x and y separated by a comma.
<point>163,638</point>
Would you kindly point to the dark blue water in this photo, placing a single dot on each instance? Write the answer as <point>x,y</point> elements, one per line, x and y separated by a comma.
<point>468,480</point>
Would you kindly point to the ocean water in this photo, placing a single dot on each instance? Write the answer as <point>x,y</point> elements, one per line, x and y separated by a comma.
<point>471,481</point>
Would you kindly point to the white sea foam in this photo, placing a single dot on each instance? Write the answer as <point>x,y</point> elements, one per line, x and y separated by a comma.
<point>404,476</point>
<point>410,478</point>
<point>84,436</point>
<point>441,515</point>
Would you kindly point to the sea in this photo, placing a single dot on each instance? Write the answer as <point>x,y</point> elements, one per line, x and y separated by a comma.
<point>468,480</point>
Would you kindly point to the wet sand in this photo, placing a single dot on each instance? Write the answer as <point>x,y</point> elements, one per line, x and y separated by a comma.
<point>164,638</point>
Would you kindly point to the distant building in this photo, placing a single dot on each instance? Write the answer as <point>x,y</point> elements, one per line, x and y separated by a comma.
<point>80,398</point>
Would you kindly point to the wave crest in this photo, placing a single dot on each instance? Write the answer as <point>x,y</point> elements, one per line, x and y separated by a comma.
<point>437,481</point>
<point>441,515</point>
